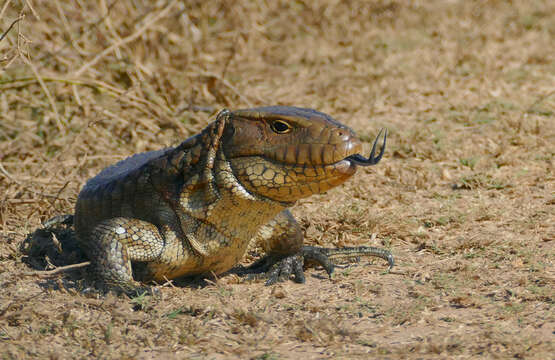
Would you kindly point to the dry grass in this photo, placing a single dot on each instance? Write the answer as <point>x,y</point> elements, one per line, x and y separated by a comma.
<point>464,197</point>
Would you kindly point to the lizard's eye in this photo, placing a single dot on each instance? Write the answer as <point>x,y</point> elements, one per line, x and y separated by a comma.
<point>280,127</point>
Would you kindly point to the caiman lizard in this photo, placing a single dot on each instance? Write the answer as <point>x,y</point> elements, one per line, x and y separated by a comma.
<point>193,209</point>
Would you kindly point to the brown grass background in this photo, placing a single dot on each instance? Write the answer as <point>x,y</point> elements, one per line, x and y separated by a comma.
<point>464,196</point>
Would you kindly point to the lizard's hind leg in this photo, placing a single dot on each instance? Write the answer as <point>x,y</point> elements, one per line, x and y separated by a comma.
<point>114,243</point>
<point>282,240</point>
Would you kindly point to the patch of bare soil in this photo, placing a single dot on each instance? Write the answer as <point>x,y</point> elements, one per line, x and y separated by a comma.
<point>464,196</point>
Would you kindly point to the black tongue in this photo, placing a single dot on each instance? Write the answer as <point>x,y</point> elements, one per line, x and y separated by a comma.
<point>360,160</point>
<point>372,159</point>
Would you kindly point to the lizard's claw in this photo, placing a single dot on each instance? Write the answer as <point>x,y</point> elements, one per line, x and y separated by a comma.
<point>284,268</point>
<point>280,268</point>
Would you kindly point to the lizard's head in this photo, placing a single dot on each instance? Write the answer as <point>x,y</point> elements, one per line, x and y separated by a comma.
<point>287,153</point>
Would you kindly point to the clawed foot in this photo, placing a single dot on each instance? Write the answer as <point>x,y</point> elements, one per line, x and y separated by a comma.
<point>280,268</point>
<point>277,268</point>
<point>131,291</point>
<point>283,268</point>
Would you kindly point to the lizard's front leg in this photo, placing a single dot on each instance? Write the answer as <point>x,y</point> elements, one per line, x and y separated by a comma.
<point>282,240</point>
<point>114,243</point>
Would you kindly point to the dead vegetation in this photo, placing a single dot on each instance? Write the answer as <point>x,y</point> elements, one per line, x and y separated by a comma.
<point>464,196</point>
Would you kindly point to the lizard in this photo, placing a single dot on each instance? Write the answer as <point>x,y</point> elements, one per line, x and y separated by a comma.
<point>193,209</point>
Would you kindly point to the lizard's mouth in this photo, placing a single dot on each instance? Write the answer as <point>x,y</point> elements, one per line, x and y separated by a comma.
<point>372,159</point>
<point>288,179</point>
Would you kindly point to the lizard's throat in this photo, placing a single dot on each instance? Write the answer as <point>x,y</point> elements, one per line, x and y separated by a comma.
<point>288,182</point>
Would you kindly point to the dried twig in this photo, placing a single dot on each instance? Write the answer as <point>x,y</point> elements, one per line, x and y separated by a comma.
<point>126,40</point>
<point>536,102</point>
<point>232,53</point>
<point>540,100</point>
<point>57,270</point>
<point>11,26</point>
<point>99,86</point>
<point>9,176</point>
<point>228,85</point>
<point>91,27</point>
<point>28,3</point>
<point>27,61</point>
<point>4,8</point>
<point>195,108</point>
<point>49,96</point>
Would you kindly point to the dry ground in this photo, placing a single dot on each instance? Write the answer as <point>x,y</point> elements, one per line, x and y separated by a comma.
<point>464,197</point>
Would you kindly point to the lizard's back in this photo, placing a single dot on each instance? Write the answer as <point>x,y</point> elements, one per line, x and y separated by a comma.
<point>119,171</point>
<point>125,189</point>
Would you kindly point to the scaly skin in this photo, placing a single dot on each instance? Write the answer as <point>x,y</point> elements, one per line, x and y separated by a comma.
<point>194,208</point>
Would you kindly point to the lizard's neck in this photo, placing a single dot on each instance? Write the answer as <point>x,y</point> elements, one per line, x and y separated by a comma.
<point>212,193</point>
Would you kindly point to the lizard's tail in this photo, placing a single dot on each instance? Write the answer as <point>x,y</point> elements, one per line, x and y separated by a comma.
<point>360,251</point>
<point>66,219</point>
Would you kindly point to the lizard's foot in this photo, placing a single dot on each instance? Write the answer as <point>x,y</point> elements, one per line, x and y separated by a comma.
<point>112,247</point>
<point>132,289</point>
<point>280,268</point>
